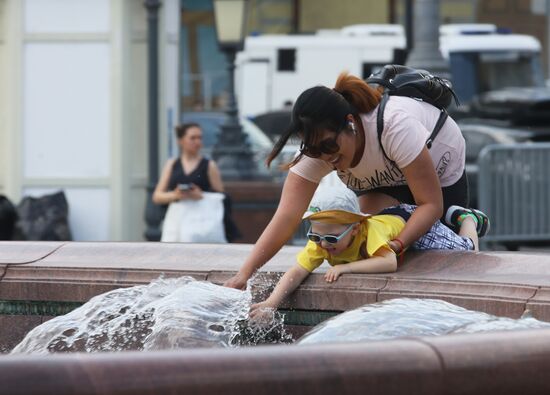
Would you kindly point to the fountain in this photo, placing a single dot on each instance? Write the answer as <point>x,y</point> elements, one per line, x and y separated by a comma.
<point>42,280</point>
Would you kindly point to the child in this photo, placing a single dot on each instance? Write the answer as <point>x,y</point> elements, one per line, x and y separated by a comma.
<point>353,242</point>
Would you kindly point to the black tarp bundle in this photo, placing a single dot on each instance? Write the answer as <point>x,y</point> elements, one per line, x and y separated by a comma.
<point>43,218</point>
<point>8,218</point>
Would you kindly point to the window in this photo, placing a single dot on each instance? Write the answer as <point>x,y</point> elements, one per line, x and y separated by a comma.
<point>286,59</point>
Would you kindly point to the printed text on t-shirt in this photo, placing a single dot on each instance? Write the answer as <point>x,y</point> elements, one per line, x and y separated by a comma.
<point>391,175</point>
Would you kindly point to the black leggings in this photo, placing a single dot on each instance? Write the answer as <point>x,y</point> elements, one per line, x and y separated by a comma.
<point>456,194</point>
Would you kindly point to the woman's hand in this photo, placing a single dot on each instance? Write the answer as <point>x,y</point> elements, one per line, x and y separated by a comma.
<point>238,281</point>
<point>177,195</point>
<point>334,272</point>
<point>195,193</point>
<point>395,246</point>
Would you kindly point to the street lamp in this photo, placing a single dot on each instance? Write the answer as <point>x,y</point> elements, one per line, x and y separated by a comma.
<point>153,212</point>
<point>425,53</point>
<point>232,151</point>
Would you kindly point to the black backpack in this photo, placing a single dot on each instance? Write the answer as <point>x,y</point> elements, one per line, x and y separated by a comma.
<point>419,84</point>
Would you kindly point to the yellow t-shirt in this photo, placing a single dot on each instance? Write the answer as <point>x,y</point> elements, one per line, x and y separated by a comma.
<point>375,233</point>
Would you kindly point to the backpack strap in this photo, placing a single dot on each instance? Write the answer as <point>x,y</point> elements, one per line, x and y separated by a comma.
<point>443,115</point>
<point>380,121</point>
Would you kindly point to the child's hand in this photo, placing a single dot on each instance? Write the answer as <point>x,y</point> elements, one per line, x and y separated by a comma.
<point>261,312</point>
<point>334,272</point>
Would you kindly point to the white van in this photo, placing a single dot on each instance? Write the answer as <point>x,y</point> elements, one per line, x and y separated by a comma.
<point>273,70</point>
<point>482,59</point>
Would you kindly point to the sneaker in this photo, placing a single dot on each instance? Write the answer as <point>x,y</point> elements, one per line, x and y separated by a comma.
<point>455,212</point>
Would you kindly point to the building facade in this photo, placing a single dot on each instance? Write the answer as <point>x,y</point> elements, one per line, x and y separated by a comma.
<point>73,107</point>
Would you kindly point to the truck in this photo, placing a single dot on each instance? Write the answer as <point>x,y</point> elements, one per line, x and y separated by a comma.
<point>272,70</point>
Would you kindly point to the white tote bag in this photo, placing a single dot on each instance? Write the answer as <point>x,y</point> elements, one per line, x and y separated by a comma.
<point>195,221</point>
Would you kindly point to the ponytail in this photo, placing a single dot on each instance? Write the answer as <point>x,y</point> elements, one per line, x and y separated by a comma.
<point>357,93</point>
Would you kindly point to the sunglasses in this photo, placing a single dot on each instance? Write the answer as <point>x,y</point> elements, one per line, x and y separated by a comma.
<point>331,239</point>
<point>327,146</point>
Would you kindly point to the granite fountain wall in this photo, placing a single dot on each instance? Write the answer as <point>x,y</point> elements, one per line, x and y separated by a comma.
<point>39,280</point>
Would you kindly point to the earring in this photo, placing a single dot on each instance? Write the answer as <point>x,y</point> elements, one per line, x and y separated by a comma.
<point>352,127</point>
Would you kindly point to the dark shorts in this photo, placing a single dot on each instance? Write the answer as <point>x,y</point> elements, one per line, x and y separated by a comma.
<point>456,194</point>
<point>397,210</point>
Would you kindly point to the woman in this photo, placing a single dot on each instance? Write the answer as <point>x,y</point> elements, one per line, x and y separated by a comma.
<point>191,168</point>
<point>338,132</point>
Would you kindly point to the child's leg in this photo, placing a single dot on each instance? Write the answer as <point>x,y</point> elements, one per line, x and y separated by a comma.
<point>470,223</point>
<point>468,229</point>
<point>456,214</point>
<point>441,237</point>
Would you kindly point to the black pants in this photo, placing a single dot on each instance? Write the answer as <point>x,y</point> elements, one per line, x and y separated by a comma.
<point>456,194</point>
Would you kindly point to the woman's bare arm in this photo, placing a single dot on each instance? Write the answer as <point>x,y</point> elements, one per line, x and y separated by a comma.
<point>424,185</point>
<point>162,195</point>
<point>296,195</point>
<point>214,177</point>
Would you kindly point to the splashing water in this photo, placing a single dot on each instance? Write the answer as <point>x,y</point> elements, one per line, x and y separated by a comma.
<point>270,328</point>
<point>165,314</point>
<point>410,317</point>
<point>184,313</point>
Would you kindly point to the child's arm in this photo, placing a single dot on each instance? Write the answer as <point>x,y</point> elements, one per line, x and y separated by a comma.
<point>286,285</point>
<point>383,261</point>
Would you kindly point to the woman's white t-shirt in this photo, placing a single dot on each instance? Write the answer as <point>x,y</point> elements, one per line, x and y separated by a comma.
<point>407,125</point>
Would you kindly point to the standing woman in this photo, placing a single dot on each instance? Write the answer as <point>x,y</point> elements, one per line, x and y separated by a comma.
<point>201,174</point>
<point>338,131</point>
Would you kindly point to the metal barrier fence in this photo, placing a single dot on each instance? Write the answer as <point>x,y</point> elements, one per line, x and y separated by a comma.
<point>514,191</point>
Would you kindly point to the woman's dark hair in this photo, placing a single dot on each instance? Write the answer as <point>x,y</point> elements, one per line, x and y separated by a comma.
<point>320,108</point>
<point>182,129</point>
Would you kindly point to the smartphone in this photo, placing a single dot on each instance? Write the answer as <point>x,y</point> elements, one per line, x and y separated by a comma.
<point>185,187</point>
